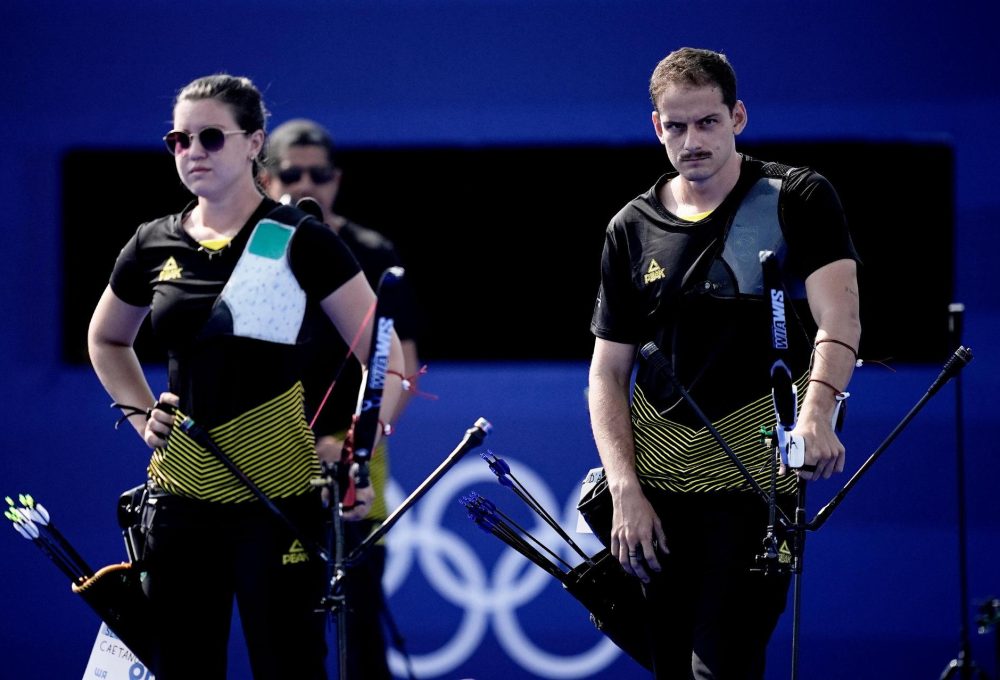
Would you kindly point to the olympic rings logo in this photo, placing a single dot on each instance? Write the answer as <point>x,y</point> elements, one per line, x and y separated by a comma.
<point>489,600</point>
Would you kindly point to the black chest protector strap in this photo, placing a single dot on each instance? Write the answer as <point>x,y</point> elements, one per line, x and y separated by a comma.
<point>736,272</point>
<point>756,227</point>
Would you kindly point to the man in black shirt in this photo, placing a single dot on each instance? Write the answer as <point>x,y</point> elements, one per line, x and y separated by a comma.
<point>681,268</point>
<point>300,164</point>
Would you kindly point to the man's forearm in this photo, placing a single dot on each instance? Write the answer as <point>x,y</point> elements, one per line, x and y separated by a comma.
<point>834,359</point>
<point>612,427</point>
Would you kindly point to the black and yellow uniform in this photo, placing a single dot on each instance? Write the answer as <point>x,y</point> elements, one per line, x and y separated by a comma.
<point>234,324</point>
<point>374,254</point>
<point>694,288</point>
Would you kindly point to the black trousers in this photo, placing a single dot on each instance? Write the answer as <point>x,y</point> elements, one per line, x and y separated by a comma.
<point>200,556</point>
<point>366,641</point>
<point>710,617</point>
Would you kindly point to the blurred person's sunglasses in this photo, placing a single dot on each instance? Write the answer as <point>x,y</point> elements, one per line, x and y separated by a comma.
<point>319,174</point>
<point>210,138</point>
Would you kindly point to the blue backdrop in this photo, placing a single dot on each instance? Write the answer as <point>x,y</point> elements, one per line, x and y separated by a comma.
<point>880,592</point>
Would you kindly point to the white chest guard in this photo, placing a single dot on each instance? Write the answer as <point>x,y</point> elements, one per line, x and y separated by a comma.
<point>262,297</point>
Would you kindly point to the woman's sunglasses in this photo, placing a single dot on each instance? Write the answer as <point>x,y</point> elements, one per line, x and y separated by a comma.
<point>319,174</point>
<point>210,138</point>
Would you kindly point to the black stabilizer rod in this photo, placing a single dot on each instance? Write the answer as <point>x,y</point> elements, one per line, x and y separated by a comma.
<point>959,360</point>
<point>474,436</point>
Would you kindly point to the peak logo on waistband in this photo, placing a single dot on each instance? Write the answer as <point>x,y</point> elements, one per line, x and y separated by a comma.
<point>295,554</point>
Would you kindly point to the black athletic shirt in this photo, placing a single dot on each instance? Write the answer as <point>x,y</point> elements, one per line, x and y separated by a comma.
<point>219,376</point>
<point>375,253</point>
<point>246,391</point>
<point>719,346</point>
